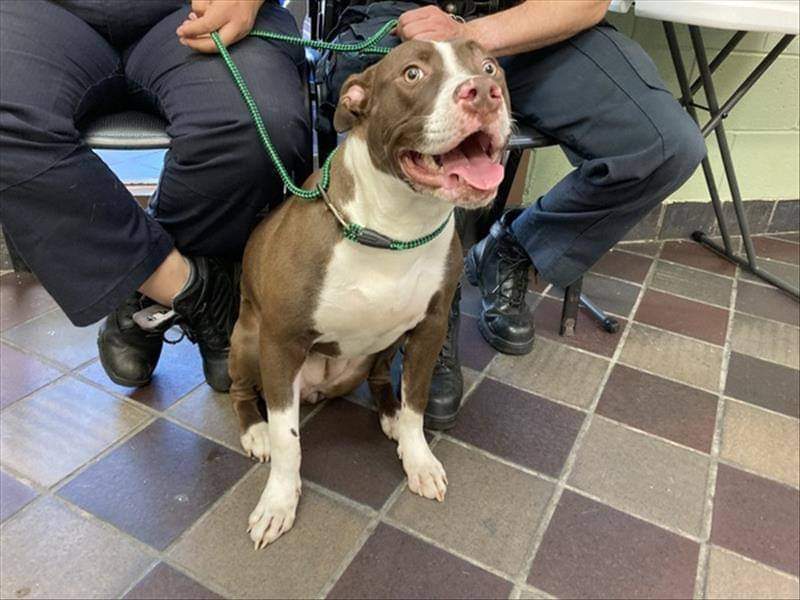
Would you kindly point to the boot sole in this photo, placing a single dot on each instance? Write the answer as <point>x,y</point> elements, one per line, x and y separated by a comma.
<point>440,423</point>
<point>501,344</point>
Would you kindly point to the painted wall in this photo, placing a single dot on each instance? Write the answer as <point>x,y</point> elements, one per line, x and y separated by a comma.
<point>763,129</point>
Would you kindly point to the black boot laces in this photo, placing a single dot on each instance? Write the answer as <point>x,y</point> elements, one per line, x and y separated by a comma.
<point>212,320</point>
<point>514,264</point>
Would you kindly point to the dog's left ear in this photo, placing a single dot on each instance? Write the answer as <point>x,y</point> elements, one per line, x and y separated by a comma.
<point>354,100</point>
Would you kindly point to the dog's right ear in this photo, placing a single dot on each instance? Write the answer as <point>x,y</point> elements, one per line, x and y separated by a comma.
<point>354,100</point>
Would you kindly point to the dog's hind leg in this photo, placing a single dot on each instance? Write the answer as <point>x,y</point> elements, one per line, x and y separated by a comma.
<point>281,367</point>
<point>243,367</point>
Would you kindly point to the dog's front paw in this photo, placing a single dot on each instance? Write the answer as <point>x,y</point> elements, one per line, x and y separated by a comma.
<point>255,441</point>
<point>426,475</point>
<point>274,514</point>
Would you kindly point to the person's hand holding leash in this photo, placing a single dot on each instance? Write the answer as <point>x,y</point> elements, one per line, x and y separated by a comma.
<point>232,18</point>
<point>429,23</point>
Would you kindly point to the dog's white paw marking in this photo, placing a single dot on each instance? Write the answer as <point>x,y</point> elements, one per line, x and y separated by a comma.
<point>274,514</point>
<point>426,475</point>
<point>389,426</point>
<point>255,441</point>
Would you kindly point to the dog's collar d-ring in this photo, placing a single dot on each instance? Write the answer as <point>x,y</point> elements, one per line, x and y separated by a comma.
<point>370,237</point>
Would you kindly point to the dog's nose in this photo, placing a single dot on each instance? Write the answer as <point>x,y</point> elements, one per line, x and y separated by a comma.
<point>479,94</point>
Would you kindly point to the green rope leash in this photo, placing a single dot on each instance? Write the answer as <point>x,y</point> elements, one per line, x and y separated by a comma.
<point>351,231</point>
<point>368,46</point>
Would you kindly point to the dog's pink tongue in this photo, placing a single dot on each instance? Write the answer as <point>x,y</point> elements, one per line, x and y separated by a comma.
<point>473,165</point>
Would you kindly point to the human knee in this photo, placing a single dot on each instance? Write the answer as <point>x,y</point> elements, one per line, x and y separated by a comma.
<point>684,149</point>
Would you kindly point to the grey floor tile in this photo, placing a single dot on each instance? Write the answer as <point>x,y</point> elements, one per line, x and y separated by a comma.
<point>785,271</point>
<point>762,442</point>
<point>767,302</point>
<point>54,337</point>
<point>731,577</point>
<point>765,339</point>
<point>185,474</point>
<point>673,356</point>
<point>21,374</point>
<point>764,383</point>
<point>640,474</point>
<point>691,283</point>
<point>490,513</point>
<point>211,413</point>
<point>549,371</point>
<point>50,552</point>
<point>56,430</point>
<point>13,495</point>
<point>296,566</point>
<point>612,295</point>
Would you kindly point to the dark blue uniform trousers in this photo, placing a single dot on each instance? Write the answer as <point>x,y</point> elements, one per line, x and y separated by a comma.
<point>67,214</point>
<point>600,95</point>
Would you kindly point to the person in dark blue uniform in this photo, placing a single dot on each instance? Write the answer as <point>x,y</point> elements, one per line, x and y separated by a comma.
<point>72,220</point>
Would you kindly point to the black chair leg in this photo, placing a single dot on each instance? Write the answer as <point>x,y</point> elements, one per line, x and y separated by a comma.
<point>569,310</point>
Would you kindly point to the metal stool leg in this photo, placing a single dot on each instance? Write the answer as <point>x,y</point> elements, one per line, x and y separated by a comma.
<point>569,310</point>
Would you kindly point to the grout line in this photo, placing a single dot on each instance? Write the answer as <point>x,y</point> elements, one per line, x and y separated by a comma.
<point>752,561</point>
<point>550,509</point>
<point>701,575</point>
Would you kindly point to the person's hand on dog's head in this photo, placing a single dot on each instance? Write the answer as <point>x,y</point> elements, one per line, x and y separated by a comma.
<point>232,18</point>
<point>429,23</point>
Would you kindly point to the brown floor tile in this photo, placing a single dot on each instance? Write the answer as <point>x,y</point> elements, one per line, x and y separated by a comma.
<point>683,316</point>
<point>48,435</point>
<point>491,511</point>
<point>765,339</point>
<point>705,287</point>
<point>13,495</point>
<point>589,335</point>
<point>53,336</point>
<point>764,383</point>
<point>549,371</point>
<point>646,248</point>
<point>179,371</point>
<point>592,551</point>
<point>777,249</point>
<point>50,552</point>
<point>210,413</point>
<point>695,255</point>
<point>757,518</point>
<point>164,582</point>
<point>731,577</point>
<point>158,483</point>
<point>21,298</point>
<point>345,450</point>
<point>518,426</point>
<point>475,352</point>
<point>786,271</point>
<point>670,355</point>
<point>642,475</point>
<point>297,565</point>
<point>429,572</point>
<point>623,265</point>
<point>671,410</point>
<point>763,442</point>
<point>21,374</point>
<point>768,302</point>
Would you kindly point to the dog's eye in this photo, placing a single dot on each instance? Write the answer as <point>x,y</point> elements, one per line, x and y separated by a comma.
<point>412,74</point>
<point>489,68</point>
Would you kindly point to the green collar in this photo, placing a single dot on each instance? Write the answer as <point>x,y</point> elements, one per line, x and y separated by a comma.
<point>368,237</point>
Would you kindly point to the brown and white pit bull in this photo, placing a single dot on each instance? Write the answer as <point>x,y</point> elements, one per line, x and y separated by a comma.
<point>321,313</point>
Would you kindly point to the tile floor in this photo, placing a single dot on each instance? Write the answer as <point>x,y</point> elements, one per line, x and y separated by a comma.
<point>658,462</point>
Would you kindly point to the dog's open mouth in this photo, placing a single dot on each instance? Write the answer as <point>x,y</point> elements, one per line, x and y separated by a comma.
<point>474,162</point>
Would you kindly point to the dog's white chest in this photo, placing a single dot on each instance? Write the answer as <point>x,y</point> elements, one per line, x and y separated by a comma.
<point>370,297</point>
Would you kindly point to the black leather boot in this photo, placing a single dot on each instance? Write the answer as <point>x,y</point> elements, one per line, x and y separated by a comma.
<point>128,353</point>
<point>206,310</point>
<point>499,266</point>
<point>447,385</point>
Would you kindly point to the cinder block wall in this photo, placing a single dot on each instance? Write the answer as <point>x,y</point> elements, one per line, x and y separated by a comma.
<point>763,129</point>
